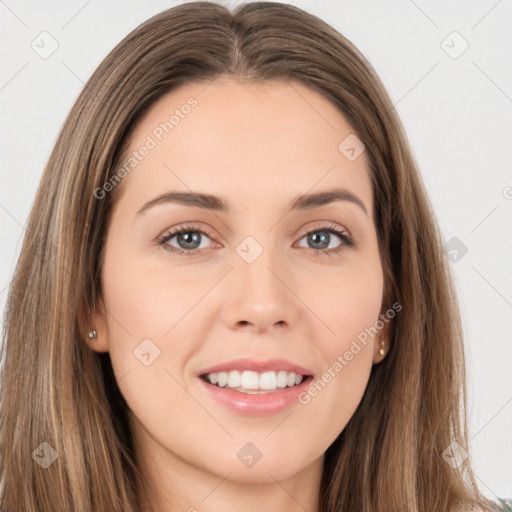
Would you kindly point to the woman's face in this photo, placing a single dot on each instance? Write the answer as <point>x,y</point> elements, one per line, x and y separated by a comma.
<point>263,278</point>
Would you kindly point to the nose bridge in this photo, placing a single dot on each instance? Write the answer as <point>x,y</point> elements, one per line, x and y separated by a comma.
<point>258,290</point>
<point>256,267</point>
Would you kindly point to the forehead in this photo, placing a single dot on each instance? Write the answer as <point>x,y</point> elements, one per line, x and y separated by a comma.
<point>270,140</point>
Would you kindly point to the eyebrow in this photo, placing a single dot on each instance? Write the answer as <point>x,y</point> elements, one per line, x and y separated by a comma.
<point>218,204</point>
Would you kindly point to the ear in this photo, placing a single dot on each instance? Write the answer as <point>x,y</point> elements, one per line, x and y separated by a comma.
<point>94,321</point>
<point>382,341</point>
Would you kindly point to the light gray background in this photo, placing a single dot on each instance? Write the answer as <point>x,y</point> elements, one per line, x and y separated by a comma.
<point>457,112</point>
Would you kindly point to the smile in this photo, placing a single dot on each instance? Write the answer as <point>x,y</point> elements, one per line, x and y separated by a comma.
<point>255,402</point>
<point>252,382</point>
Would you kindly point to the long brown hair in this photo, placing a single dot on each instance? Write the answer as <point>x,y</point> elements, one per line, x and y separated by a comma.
<point>56,390</point>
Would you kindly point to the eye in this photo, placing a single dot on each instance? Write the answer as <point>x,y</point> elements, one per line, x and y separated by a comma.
<point>188,238</point>
<point>322,236</point>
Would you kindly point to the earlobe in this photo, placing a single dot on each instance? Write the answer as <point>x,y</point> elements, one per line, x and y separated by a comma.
<point>381,352</point>
<point>382,345</point>
<point>98,345</point>
<point>93,328</point>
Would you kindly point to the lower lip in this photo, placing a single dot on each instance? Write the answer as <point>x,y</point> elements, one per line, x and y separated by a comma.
<point>263,404</point>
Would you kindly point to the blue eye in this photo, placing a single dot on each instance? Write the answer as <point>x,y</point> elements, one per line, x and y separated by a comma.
<point>322,235</point>
<point>189,237</point>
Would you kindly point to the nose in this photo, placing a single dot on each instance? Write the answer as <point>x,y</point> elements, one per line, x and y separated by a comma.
<point>260,296</point>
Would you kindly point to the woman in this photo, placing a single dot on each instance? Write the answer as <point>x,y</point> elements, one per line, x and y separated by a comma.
<point>256,366</point>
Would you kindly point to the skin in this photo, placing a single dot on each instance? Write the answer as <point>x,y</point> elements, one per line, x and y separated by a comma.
<point>258,146</point>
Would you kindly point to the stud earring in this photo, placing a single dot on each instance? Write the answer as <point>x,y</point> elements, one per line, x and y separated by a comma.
<point>381,350</point>
<point>92,334</point>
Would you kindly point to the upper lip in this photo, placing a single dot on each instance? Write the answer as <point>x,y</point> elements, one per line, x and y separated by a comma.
<point>257,365</point>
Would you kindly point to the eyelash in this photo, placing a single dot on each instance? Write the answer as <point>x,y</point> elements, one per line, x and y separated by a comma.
<point>330,228</point>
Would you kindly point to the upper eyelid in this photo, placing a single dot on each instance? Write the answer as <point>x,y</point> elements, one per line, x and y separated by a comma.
<point>315,227</point>
<point>331,225</point>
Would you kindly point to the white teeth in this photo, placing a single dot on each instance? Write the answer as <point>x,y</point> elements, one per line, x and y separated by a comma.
<point>250,380</point>
<point>290,379</point>
<point>247,380</point>
<point>222,379</point>
<point>233,379</point>
<point>281,379</point>
<point>268,380</point>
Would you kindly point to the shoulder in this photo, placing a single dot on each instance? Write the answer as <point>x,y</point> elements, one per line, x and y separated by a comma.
<point>505,505</point>
<point>500,506</point>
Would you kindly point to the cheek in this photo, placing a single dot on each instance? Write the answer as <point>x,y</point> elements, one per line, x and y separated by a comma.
<point>351,310</point>
<point>334,395</point>
<point>144,310</point>
<point>348,300</point>
<point>143,300</point>
<point>149,346</point>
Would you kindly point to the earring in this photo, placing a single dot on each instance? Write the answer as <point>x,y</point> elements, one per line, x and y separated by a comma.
<point>381,350</point>
<point>92,334</point>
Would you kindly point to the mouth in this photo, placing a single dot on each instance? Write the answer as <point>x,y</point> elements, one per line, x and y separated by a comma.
<point>252,387</point>
<point>254,383</point>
